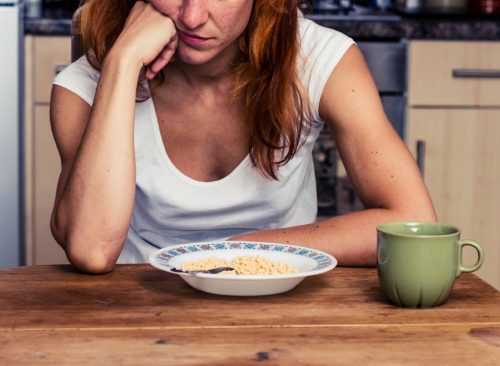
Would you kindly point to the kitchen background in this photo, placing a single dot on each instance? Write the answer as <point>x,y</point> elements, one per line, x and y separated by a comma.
<point>436,64</point>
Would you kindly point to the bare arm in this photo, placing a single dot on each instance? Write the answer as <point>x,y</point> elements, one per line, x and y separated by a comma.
<point>95,192</point>
<point>382,170</point>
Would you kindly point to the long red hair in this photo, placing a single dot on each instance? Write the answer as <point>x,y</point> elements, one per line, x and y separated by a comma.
<point>266,79</point>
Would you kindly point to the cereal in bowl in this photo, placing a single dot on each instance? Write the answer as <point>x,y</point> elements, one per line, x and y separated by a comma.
<point>244,265</point>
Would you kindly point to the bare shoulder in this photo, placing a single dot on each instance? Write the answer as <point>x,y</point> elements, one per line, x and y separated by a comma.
<point>350,94</point>
<point>377,161</point>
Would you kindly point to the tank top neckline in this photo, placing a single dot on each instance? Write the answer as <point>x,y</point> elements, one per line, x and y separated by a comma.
<point>245,162</point>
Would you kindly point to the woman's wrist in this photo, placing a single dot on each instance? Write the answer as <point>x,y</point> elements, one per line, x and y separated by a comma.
<point>122,61</point>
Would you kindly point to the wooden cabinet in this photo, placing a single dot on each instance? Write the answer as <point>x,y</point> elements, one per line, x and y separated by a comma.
<point>454,74</point>
<point>45,56</point>
<point>455,123</point>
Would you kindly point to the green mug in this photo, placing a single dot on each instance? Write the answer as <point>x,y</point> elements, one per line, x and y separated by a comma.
<point>418,262</point>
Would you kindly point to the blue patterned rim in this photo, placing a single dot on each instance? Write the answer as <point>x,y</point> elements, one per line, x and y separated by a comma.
<point>164,255</point>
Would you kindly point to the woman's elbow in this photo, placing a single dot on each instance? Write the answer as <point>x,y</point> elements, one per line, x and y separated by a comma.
<point>429,217</point>
<point>425,211</point>
<point>84,257</point>
<point>90,261</point>
<point>89,255</point>
<point>88,258</point>
<point>421,211</point>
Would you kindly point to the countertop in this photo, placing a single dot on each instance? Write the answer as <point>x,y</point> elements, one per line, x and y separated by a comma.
<point>52,22</point>
<point>55,315</point>
<point>366,25</point>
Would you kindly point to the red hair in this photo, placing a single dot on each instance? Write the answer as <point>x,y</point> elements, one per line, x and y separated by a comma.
<point>266,78</point>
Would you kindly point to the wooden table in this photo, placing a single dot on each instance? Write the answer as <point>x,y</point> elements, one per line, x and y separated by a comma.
<point>54,315</point>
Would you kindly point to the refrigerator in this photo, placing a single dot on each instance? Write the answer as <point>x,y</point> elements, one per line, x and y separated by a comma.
<point>11,132</point>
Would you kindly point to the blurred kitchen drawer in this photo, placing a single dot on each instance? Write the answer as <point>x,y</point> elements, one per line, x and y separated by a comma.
<point>449,73</point>
<point>43,57</point>
<point>51,55</point>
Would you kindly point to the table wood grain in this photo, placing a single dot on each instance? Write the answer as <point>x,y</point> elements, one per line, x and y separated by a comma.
<point>341,345</point>
<point>56,315</point>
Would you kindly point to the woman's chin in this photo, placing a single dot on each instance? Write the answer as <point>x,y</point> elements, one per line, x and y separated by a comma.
<point>192,57</point>
<point>217,56</point>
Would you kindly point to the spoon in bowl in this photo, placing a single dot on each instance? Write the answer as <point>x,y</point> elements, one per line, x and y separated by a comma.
<point>211,271</point>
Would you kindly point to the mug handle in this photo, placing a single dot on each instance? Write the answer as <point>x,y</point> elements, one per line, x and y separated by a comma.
<point>480,256</point>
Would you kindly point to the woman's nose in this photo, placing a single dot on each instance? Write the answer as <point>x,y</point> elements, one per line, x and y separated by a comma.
<point>193,13</point>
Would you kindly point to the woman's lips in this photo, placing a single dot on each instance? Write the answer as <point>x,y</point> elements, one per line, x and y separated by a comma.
<point>192,39</point>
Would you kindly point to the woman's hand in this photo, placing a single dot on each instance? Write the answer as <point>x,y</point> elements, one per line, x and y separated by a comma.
<point>149,37</point>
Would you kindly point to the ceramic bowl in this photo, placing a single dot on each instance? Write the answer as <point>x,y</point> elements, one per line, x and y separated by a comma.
<point>307,261</point>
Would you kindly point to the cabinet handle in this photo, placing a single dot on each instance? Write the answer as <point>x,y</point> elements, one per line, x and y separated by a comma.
<point>421,156</point>
<point>470,73</point>
<point>59,68</point>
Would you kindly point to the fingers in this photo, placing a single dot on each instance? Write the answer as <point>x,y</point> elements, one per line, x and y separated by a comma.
<point>162,60</point>
<point>153,36</point>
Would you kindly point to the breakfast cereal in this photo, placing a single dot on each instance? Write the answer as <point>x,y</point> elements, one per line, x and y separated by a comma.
<point>244,265</point>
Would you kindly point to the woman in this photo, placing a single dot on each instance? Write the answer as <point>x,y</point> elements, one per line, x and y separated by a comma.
<point>194,120</point>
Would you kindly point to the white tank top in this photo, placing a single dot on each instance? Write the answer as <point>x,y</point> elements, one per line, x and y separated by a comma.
<point>171,208</point>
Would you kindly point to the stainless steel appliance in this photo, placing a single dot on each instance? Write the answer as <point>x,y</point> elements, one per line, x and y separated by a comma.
<point>387,63</point>
<point>11,66</point>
